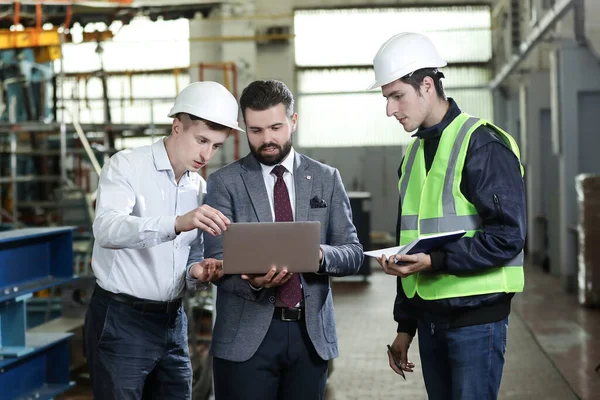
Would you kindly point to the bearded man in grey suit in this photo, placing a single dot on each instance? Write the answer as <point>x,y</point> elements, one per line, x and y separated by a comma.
<point>275,333</point>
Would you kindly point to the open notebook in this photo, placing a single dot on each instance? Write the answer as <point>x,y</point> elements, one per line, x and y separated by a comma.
<point>424,244</point>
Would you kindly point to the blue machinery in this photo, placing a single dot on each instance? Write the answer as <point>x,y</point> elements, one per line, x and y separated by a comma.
<point>32,365</point>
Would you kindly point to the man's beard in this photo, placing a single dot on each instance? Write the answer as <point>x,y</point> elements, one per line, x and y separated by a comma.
<point>271,159</point>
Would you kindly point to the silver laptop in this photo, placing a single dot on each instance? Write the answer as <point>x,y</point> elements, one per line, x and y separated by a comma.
<point>254,247</point>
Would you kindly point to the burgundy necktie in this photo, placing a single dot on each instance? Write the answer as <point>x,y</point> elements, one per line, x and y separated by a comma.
<point>290,293</point>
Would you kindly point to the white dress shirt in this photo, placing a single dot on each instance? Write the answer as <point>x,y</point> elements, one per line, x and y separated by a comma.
<point>288,178</point>
<point>136,250</point>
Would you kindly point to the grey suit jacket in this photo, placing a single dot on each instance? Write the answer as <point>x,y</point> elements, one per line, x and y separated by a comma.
<point>244,314</point>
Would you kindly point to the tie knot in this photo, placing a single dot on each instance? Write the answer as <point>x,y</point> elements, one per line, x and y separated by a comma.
<point>279,170</point>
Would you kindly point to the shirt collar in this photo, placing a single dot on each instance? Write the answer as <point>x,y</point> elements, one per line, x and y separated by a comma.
<point>161,157</point>
<point>288,163</point>
<point>436,130</point>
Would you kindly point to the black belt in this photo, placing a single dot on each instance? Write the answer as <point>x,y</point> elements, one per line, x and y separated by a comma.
<point>144,305</point>
<point>289,314</point>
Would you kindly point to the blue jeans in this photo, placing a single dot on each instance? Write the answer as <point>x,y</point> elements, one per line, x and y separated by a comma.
<point>135,355</point>
<point>463,363</point>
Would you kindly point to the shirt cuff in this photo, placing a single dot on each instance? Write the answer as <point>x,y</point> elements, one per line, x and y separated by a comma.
<point>438,261</point>
<point>167,227</point>
<point>322,270</point>
<point>256,289</point>
<point>189,271</point>
<point>407,326</point>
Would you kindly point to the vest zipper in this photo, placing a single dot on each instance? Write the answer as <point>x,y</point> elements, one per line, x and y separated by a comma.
<point>499,211</point>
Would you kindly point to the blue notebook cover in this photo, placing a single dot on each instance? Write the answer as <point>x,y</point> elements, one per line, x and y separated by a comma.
<point>428,244</point>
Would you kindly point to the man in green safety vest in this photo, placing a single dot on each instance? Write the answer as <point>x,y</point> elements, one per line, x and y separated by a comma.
<point>459,173</point>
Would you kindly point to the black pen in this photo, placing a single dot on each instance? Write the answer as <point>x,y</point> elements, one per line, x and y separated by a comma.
<point>396,361</point>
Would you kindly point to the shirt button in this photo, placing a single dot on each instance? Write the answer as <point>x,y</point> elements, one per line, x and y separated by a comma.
<point>272,299</point>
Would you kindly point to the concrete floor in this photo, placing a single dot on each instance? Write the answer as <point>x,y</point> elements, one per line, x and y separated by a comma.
<point>552,347</point>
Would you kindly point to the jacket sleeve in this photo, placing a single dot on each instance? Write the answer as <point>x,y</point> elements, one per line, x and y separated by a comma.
<point>219,198</point>
<point>493,183</point>
<point>342,253</point>
<point>196,256</point>
<point>197,249</point>
<point>403,311</point>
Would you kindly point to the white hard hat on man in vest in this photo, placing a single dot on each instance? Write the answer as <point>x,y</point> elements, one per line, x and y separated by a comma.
<point>403,54</point>
<point>210,101</point>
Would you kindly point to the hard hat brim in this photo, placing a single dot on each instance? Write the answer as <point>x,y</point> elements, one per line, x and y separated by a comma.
<point>229,124</point>
<point>435,64</point>
<point>376,85</point>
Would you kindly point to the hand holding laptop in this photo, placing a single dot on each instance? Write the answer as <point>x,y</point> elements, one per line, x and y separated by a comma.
<point>272,278</point>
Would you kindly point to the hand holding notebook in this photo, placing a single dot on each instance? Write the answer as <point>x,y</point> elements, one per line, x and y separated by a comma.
<point>424,244</point>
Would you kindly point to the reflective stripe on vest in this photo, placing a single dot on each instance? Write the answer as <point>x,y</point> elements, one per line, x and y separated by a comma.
<point>444,208</point>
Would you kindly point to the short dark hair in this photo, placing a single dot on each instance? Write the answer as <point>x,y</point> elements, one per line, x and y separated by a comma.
<point>262,95</point>
<point>211,125</point>
<point>416,78</point>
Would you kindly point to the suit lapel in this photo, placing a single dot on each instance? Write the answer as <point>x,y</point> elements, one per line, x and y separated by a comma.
<point>255,185</point>
<point>303,181</point>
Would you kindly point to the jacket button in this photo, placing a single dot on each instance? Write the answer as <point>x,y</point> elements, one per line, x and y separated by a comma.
<point>272,299</point>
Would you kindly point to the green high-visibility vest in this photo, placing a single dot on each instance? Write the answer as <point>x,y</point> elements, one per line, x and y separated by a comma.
<point>433,203</point>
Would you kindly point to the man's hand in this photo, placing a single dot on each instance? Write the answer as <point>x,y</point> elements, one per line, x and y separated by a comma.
<point>207,270</point>
<point>204,217</point>
<point>410,264</point>
<point>400,349</point>
<point>270,279</point>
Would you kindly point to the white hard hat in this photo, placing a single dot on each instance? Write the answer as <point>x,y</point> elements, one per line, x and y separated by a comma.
<point>210,101</point>
<point>403,54</point>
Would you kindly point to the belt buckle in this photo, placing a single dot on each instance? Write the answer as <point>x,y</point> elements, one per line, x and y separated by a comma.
<point>297,312</point>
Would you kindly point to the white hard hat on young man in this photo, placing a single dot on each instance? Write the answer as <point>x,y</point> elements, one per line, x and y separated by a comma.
<point>402,55</point>
<point>210,101</point>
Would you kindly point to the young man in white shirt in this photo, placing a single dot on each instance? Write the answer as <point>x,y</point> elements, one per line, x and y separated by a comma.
<point>149,246</point>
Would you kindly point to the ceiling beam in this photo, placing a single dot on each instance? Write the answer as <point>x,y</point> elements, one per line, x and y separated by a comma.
<point>552,16</point>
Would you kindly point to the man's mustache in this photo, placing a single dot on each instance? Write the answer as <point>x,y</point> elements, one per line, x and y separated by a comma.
<point>264,146</point>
